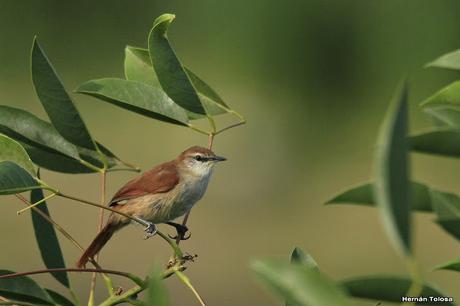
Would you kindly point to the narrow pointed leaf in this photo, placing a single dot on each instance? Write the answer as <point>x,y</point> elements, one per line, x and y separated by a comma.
<point>300,257</point>
<point>449,60</point>
<point>211,101</point>
<point>157,293</point>
<point>59,298</point>
<point>136,97</point>
<point>14,179</point>
<point>138,66</point>
<point>445,115</point>
<point>392,177</point>
<point>364,195</point>
<point>40,137</point>
<point>24,126</point>
<point>136,69</point>
<point>23,289</point>
<point>47,240</point>
<point>447,208</point>
<point>298,284</point>
<point>171,74</point>
<point>55,162</point>
<point>449,95</point>
<point>386,288</point>
<point>441,141</point>
<point>453,265</point>
<point>11,150</point>
<point>56,101</point>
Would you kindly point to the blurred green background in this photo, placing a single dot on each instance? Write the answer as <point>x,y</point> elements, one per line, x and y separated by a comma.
<point>313,78</point>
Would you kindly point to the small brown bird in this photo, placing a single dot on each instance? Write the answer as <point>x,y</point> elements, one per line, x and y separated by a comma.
<point>159,195</point>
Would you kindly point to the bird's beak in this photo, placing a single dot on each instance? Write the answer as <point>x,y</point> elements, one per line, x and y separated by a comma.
<point>218,158</point>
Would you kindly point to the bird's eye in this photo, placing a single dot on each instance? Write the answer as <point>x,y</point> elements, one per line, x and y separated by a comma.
<point>198,157</point>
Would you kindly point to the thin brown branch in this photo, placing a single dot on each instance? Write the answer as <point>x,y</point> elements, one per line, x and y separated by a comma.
<point>211,140</point>
<point>230,127</point>
<point>103,207</point>
<point>57,270</point>
<point>58,227</point>
<point>99,228</point>
<point>54,223</point>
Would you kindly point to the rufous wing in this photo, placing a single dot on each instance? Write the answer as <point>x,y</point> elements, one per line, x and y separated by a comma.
<point>160,179</point>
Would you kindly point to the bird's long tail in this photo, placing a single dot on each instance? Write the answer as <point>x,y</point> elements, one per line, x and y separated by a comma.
<point>98,243</point>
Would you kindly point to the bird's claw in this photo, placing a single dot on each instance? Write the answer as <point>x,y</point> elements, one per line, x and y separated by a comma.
<point>150,231</point>
<point>181,231</point>
<point>181,235</point>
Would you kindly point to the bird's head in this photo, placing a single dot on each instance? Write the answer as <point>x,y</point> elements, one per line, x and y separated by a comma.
<point>199,160</point>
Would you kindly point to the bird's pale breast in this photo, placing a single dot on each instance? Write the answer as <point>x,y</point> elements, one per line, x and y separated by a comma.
<point>164,207</point>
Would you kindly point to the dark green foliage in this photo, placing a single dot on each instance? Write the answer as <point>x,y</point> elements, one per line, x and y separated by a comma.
<point>47,240</point>
<point>386,288</point>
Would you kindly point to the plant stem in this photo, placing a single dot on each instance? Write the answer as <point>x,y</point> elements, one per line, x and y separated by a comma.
<point>117,299</point>
<point>132,277</point>
<point>90,166</point>
<point>107,280</point>
<point>54,223</point>
<point>187,282</point>
<point>130,166</point>
<point>101,206</point>
<point>58,227</point>
<point>230,127</point>
<point>174,246</point>
<point>198,129</point>
<point>35,204</point>
<point>124,169</point>
<point>417,280</point>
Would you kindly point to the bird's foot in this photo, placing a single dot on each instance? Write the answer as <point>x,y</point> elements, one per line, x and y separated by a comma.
<point>181,231</point>
<point>150,230</point>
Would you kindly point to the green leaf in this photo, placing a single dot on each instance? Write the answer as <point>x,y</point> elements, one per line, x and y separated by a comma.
<point>449,60</point>
<point>364,195</point>
<point>449,95</point>
<point>59,299</point>
<point>453,265</point>
<point>23,289</point>
<point>138,67</point>
<point>136,97</point>
<point>171,74</point>
<point>14,179</point>
<point>47,240</point>
<point>300,257</point>
<point>386,288</point>
<point>447,208</point>
<point>40,138</point>
<point>56,101</point>
<point>298,284</point>
<point>211,101</point>
<point>11,150</point>
<point>55,162</point>
<point>25,127</point>
<point>445,115</point>
<point>157,293</point>
<point>392,177</point>
<point>440,141</point>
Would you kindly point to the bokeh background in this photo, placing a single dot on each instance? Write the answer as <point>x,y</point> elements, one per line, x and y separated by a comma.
<point>312,77</point>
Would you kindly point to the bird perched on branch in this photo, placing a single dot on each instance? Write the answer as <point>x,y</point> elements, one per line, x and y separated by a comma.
<point>159,195</point>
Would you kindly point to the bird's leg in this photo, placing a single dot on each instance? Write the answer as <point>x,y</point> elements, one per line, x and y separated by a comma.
<point>181,231</point>
<point>150,229</point>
